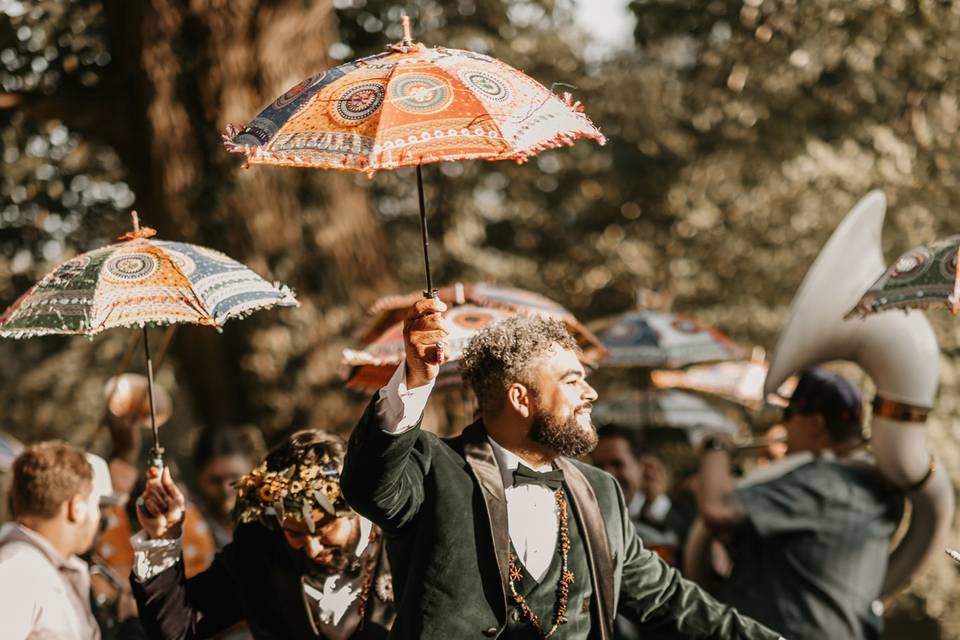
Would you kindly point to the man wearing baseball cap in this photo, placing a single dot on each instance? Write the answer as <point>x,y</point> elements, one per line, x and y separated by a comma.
<point>808,539</point>
<point>44,585</point>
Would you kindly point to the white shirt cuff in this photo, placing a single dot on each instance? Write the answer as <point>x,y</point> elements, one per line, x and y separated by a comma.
<point>398,407</point>
<point>153,556</point>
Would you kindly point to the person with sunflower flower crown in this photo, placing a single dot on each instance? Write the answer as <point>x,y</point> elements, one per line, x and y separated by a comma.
<point>301,563</point>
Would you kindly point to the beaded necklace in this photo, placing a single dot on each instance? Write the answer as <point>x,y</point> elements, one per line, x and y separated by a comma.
<point>563,584</point>
<point>367,583</point>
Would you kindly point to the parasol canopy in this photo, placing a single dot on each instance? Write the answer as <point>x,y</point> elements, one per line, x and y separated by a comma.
<point>740,381</point>
<point>671,409</point>
<point>138,283</point>
<point>470,308</point>
<point>924,277</point>
<point>659,339</point>
<point>390,310</point>
<point>375,363</point>
<point>410,106</point>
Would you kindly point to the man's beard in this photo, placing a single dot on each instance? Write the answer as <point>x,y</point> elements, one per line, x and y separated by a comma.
<point>337,563</point>
<point>565,436</point>
<point>333,560</point>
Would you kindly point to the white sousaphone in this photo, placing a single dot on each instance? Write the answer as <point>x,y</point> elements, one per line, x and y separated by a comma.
<point>899,352</point>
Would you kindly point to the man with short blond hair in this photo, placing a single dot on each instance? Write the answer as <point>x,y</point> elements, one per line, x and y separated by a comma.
<point>44,586</point>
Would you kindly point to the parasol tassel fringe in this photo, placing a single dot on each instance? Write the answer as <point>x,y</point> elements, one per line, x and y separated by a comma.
<point>261,155</point>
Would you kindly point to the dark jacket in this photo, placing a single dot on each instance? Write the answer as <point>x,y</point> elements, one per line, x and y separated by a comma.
<point>812,556</point>
<point>442,507</point>
<point>255,578</point>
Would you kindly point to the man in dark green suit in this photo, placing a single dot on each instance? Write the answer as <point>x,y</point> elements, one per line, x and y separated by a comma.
<point>497,532</point>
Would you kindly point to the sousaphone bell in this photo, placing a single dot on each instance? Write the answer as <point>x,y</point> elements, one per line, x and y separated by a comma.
<point>899,352</point>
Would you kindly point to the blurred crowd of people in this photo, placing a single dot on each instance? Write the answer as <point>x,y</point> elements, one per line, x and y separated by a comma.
<point>269,545</point>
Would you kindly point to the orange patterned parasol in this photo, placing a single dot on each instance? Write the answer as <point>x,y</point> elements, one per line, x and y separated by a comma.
<point>470,307</point>
<point>409,106</point>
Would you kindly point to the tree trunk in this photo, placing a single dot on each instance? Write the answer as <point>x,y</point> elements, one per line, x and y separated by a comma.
<point>185,70</point>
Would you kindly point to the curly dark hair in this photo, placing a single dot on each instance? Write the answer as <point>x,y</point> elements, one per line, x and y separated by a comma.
<point>297,447</point>
<point>503,353</point>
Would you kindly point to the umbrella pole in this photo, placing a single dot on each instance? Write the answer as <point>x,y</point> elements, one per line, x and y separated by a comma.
<point>156,453</point>
<point>430,292</point>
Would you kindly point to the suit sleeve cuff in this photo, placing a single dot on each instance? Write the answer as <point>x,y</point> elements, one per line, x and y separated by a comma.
<point>151,557</point>
<point>399,408</point>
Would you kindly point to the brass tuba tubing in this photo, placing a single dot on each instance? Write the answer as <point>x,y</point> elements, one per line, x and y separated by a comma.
<point>899,352</point>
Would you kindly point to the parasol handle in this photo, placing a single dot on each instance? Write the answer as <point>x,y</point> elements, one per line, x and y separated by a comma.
<point>430,292</point>
<point>407,32</point>
<point>156,452</point>
<point>136,220</point>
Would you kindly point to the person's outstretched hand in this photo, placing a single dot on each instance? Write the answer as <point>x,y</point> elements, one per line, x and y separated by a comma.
<point>161,507</point>
<point>424,334</point>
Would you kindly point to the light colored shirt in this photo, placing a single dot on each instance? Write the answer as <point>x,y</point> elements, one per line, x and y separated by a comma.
<point>532,516</point>
<point>43,596</point>
<point>336,601</point>
<point>398,407</point>
<point>656,513</point>
<point>650,525</point>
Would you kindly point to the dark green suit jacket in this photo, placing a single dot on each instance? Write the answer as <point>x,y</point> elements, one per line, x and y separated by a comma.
<point>442,507</point>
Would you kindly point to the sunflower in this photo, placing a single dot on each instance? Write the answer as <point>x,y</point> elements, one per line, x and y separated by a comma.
<point>266,492</point>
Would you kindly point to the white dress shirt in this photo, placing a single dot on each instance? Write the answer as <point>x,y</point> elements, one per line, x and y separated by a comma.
<point>657,512</point>
<point>42,594</point>
<point>532,516</point>
<point>650,528</point>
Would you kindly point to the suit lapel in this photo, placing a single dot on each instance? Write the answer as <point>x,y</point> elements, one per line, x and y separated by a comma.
<point>587,511</point>
<point>479,455</point>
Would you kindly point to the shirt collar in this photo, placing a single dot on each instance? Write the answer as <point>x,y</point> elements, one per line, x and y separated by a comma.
<point>365,527</point>
<point>508,461</point>
<point>15,531</point>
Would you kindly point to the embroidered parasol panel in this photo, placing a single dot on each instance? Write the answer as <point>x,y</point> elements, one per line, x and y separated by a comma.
<point>409,107</point>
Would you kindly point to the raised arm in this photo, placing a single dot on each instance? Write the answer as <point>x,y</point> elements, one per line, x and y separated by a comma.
<point>171,606</point>
<point>388,456</point>
<point>655,597</point>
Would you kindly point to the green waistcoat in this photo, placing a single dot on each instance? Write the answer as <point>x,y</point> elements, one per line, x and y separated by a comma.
<point>542,596</point>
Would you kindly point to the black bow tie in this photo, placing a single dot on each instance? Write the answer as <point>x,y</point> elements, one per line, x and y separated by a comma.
<point>525,475</point>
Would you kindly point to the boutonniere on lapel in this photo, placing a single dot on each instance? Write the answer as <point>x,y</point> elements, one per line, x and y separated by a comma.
<point>384,588</point>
